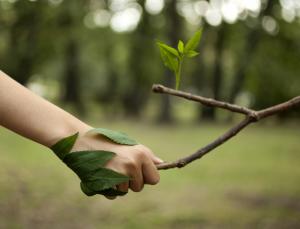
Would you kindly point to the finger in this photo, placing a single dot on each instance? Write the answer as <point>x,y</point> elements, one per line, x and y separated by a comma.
<point>123,187</point>
<point>136,184</point>
<point>154,158</point>
<point>150,172</point>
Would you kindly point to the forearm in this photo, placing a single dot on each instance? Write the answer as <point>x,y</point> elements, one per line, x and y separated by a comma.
<point>33,117</point>
<point>37,119</point>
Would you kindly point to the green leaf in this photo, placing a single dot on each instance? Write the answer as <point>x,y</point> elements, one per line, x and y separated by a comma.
<point>64,146</point>
<point>169,55</point>
<point>180,46</point>
<point>84,162</point>
<point>168,49</point>
<point>193,42</point>
<point>112,192</point>
<point>102,179</point>
<point>165,58</point>
<point>89,165</point>
<point>169,60</point>
<point>86,190</point>
<point>192,53</point>
<point>76,159</point>
<point>117,137</point>
<point>106,192</point>
<point>95,179</point>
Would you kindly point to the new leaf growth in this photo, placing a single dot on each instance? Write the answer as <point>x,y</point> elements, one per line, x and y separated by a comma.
<point>173,58</point>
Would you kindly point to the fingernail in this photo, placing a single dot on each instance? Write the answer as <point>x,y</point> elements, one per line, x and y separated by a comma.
<point>159,160</point>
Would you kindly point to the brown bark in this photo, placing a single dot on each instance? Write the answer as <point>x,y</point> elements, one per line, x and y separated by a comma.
<point>251,116</point>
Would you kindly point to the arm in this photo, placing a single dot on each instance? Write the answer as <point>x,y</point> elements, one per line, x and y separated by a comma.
<point>41,121</point>
<point>33,117</point>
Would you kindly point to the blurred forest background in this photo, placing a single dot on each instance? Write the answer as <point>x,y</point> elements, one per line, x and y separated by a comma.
<point>98,59</point>
<point>95,53</point>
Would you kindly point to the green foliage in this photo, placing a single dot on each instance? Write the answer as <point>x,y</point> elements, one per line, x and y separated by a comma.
<point>192,53</point>
<point>89,165</point>
<point>193,42</point>
<point>168,49</point>
<point>173,58</point>
<point>115,136</point>
<point>180,46</point>
<point>64,146</point>
<point>102,181</point>
<point>87,161</point>
<point>169,56</point>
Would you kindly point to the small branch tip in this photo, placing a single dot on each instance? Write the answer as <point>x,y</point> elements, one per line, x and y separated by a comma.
<point>157,88</point>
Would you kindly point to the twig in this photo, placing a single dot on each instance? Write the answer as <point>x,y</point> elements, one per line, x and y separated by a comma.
<point>251,116</point>
<point>203,100</point>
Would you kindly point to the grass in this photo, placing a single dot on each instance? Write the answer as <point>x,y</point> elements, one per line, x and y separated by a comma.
<point>252,181</point>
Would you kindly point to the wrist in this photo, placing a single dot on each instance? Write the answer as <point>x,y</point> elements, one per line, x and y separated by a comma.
<point>70,125</point>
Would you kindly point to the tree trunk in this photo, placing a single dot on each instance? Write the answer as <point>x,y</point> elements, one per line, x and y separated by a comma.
<point>200,76</point>
<point>135,97</point>
<point>209,113</point>
<point>71,76</point>
<point>21,54</point>
<point>252,41</point>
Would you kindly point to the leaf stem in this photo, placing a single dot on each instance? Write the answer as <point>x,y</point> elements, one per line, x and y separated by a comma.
<point>178,73</point>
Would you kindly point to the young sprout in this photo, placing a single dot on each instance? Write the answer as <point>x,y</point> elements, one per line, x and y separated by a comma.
<point>173,58</point>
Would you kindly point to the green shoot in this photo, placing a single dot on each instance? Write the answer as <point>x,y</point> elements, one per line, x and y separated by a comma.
<point>173,58</point>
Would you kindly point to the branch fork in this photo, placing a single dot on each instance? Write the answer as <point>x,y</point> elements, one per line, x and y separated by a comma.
<point>250,117</point>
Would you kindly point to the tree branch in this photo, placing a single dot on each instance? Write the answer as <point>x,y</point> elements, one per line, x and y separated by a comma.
<point>251,116</point>
<point>203,100</point>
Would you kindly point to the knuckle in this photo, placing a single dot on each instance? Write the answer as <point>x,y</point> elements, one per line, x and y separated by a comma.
<point>131,165</point>
<point>145,149</point>
<point>139,154</point>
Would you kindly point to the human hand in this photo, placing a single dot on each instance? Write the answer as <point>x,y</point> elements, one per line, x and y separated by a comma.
<point>49,125</point>
<point>137,161</point>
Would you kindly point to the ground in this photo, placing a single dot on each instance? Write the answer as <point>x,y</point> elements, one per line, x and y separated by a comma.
<point>252,181</point>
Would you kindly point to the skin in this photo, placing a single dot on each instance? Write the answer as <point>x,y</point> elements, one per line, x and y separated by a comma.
<point>33,117</point>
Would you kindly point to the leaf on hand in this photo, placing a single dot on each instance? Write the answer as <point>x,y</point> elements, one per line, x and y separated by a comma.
<point>64,146</point>
<point>89,165</point>
<point>180,46</point>
<point>84,162</point>
<point>115,136</point>
<point>193,42</point>
<point>101,180</point>
<point>106,192</point>
<point>79,157</point>
<point>112,192</point>
<point>192,53</point>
